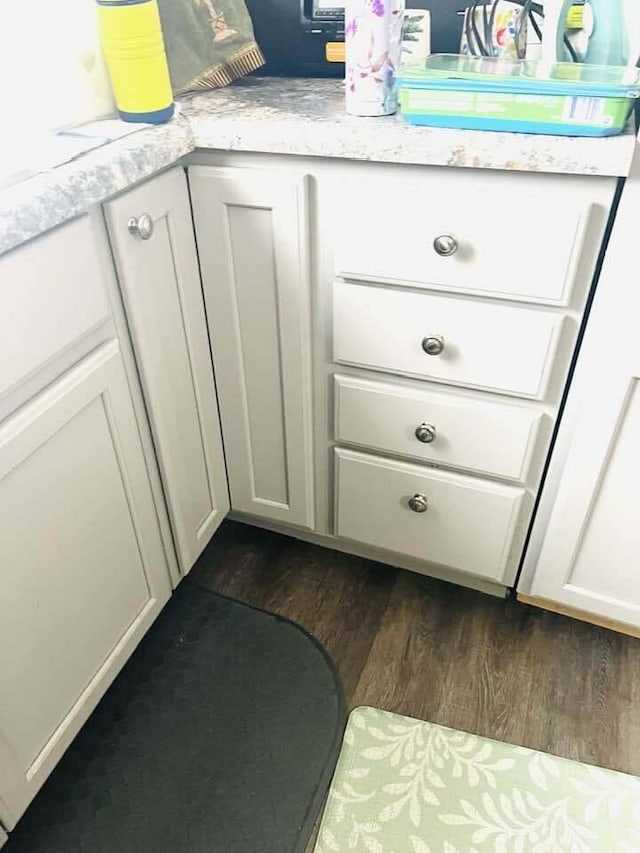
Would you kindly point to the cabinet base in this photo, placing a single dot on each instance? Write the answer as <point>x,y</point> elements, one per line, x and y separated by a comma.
<point>369,553</point>
<point>581,615</point>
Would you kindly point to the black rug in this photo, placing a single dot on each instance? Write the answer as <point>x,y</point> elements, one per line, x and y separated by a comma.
<point>219,736</point>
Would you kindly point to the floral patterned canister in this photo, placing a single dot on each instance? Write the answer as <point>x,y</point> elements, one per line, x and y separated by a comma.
<point>373,35</point>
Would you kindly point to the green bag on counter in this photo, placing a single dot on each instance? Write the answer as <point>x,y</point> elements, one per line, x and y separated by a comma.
<point>209,43</point>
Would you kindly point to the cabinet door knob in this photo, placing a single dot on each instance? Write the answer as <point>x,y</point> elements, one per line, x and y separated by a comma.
<point>445,245</point>
<point>433,344</point>
<point>419,503</point>
<point>141,227</point>
<point>426,433</point>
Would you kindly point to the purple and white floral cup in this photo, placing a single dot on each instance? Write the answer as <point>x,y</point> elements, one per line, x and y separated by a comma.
<point>373,35</point>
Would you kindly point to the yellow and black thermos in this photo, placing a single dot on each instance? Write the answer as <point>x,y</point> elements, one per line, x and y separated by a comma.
<point>134,49</point>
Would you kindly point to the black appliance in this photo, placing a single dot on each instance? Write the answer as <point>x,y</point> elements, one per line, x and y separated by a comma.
<point>296,35</point>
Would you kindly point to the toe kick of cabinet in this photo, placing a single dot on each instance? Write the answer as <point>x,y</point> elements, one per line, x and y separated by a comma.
<point>462,522</point>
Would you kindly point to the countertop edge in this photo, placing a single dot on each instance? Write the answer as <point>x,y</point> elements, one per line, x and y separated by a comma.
<point>40,203</point>
<point>603,170</point>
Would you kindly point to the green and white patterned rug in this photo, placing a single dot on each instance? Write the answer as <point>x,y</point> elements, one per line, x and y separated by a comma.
<point>404,786</point>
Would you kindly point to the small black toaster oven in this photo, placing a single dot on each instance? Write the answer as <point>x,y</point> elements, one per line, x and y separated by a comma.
<point>306,37</point>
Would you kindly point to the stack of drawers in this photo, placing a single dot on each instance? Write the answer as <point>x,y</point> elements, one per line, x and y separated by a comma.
<point>445,469</point>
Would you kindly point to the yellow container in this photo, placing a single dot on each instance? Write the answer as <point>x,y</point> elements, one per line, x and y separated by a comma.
<point>134,49</point>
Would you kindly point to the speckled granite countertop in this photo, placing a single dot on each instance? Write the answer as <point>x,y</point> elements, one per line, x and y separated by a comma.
<point>286,116</point>
<point>308,118</point>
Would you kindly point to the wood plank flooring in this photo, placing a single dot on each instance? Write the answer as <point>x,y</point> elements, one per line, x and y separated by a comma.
<point>442,653</point>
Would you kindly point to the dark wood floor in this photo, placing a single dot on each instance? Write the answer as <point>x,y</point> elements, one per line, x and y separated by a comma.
<point>441,653</point>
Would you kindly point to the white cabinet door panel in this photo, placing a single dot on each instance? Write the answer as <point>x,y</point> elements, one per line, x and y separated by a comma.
<point>83,571</point>
<point>160,281</point>
<point>252,239</point>
<point>591,553</point>
<point>585,551</point>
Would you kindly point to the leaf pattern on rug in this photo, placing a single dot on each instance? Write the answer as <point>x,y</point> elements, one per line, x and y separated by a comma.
<point>405,786</point>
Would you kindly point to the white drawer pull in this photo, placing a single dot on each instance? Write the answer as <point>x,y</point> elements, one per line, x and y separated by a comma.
<point>445,245</point>
<point>433,344</point>
<point>142,227</point>
<point>419,503</point>
<point>426,433</point>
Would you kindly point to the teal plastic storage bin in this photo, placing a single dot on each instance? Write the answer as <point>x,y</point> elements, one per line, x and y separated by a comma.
<point>485,93</point>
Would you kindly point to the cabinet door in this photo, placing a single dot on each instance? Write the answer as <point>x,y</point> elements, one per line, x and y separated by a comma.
<point>160,281</point>
<point>83,569</point>
<point>586,545</point>
<point>591,553</point>
<point>252,239</point>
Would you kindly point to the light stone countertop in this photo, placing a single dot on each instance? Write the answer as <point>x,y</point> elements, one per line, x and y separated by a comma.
<point>287,116</point>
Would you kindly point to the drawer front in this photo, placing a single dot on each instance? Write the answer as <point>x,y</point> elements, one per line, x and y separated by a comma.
<point>468,525</point>
<point>524,237</point>
<point>53,295</point>
<point>496,348</point>
<point>490,438</point>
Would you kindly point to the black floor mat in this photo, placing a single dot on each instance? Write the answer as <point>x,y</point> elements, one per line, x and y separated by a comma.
<point>219,736</point>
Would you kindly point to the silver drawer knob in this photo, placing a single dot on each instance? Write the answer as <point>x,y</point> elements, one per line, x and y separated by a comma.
<point>426,433</point>
<point>445,245</point>
<point>419,503</point>
<point>433,344</point>
<point>141,227</point>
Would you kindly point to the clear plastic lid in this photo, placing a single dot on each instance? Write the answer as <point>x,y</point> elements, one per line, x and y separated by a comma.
<point>523,75</point>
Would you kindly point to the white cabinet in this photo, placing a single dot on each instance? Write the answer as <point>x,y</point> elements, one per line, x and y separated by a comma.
<point>83,569</point>
<point>477,344</point>
<point>158,272</point>
<point>253,240</point>
<point>585,549</point>
<point>445,303</point>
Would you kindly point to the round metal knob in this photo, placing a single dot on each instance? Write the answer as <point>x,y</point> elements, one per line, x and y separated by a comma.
<point>426,433</point>
<point>433,344</point>
<point>445,245</point>
<point>141,227</point>
<point>419,503</point>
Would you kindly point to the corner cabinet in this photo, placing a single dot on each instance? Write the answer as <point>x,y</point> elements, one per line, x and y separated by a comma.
<point>585,548</point>
<point>253,238</point>
<point>151,232</point>
<point>83,570</point>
